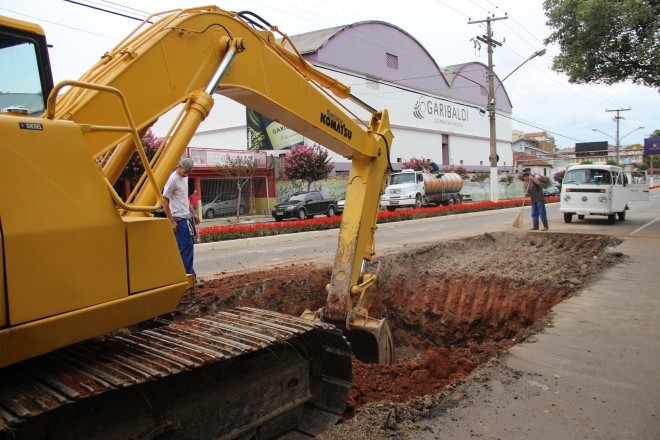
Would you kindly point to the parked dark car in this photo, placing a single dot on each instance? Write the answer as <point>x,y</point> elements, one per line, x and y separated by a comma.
<point>340,204</point>
<point>551,191</point>
<point>223,207</point>
<point>302,205</point>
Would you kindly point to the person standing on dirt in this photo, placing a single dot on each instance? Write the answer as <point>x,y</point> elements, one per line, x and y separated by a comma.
<point>182,214</point>
<point>532,186</point>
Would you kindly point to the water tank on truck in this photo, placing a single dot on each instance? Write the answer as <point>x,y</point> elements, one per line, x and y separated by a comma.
<point>444,183</point>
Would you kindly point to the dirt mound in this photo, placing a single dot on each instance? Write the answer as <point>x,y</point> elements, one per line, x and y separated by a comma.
<point>451,305</point>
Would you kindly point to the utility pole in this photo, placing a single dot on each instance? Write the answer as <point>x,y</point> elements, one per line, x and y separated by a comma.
<point>617,118</point>
<point>488,40</point>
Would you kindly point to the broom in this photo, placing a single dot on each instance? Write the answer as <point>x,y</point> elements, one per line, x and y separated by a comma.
<point>518,221</point>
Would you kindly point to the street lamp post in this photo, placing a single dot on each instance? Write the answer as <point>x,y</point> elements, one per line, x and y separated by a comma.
<point>617,139</point>
<point>494,184</point>
<point>490,105</point>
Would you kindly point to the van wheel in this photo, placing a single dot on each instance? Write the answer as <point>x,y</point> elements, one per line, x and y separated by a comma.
<point>580,217</point>
<point>611,219</point>
<point>568,218</point>
<point>621,215</point>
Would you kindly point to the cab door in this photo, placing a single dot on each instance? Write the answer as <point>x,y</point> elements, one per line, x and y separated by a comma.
<point>637,186</point>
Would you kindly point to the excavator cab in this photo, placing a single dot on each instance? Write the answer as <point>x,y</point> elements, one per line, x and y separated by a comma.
<point>27,84</point>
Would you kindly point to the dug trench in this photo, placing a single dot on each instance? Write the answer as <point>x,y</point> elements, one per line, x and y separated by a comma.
<point>451,305</point>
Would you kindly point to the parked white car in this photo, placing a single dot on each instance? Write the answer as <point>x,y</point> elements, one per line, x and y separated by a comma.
<point>219,207</point>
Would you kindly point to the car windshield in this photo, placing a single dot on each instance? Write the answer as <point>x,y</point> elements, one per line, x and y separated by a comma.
<point>402,178</point>
<point>297,198</point>
<point>593,176</point>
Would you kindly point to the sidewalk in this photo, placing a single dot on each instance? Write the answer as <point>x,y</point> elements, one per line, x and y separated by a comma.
<point>595,373</point>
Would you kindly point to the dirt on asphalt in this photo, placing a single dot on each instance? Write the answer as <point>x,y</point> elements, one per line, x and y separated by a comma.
<point>452,306</point>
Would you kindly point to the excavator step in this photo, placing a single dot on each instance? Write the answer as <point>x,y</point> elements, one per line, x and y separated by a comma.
<point>240,373</point>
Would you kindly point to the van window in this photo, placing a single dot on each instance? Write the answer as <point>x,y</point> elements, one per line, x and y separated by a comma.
<point>622,179</point>
<point>588,175</point>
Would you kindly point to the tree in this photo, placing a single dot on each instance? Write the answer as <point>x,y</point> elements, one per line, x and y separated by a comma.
<point>480,178</point>
<point>559,175</point>
<point>134,169</point>
<point>239,168</point>
<point>308,164</point>
<point>507,180</point>
<point>606,41</point>
<point>647,162</point>
<point>656,133</point>
<point>417,164</point>
<point>461,171</point>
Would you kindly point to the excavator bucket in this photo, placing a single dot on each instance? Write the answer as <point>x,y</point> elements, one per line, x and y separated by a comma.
<point>370,339</point>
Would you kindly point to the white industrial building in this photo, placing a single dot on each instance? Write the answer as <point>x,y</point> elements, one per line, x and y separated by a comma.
<point>438,113</point>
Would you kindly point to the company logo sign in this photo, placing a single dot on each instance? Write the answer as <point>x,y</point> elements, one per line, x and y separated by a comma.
<point>334,122</point>
<point>442,112</point>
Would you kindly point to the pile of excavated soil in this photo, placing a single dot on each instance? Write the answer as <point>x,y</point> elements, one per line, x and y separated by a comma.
<point>451,306</point>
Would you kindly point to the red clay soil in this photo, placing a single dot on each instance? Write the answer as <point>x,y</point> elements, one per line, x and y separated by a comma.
<point>451,306</point>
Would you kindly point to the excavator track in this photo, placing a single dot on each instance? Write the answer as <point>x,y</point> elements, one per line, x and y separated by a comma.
<point>238,374</point>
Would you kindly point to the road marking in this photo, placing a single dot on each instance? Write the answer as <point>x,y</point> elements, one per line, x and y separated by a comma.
<point>644,225</point>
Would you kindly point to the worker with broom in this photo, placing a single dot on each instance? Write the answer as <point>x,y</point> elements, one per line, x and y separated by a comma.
<point>532,186</point>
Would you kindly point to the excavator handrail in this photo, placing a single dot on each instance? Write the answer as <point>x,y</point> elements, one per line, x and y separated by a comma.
<point>129,128</point>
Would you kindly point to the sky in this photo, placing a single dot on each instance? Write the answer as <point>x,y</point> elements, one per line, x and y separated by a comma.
<point>542,99</point>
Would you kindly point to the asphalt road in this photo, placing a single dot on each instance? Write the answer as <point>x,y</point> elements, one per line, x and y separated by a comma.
<point>211,258</point>
<point>594,374</point>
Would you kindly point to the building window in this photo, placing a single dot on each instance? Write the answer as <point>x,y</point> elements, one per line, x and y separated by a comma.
<point>392,61</point>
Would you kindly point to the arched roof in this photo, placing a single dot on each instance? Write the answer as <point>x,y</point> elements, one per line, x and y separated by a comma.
<point>386,52</point>
<point>367,46</point>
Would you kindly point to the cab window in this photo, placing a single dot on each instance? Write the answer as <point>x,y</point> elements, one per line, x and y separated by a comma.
<point>20,82</point>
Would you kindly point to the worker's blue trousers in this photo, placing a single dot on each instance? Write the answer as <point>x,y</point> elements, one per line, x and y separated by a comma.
<point>185,241</point>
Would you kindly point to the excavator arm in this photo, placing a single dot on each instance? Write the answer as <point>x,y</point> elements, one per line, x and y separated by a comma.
<point>239,56</point>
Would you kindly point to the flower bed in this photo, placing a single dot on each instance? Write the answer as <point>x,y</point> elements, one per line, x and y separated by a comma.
<point>234,232</point>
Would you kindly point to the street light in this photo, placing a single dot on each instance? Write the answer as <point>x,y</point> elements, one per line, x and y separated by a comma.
<point>494,185</point>
<point>617,138</point>
<point>538,53</point>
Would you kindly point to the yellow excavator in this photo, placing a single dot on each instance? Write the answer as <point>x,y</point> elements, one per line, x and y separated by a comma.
<point>81,265</point>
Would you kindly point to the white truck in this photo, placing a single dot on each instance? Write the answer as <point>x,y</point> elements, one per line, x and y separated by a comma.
<point>601,190</point>
<point>414,189</point>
